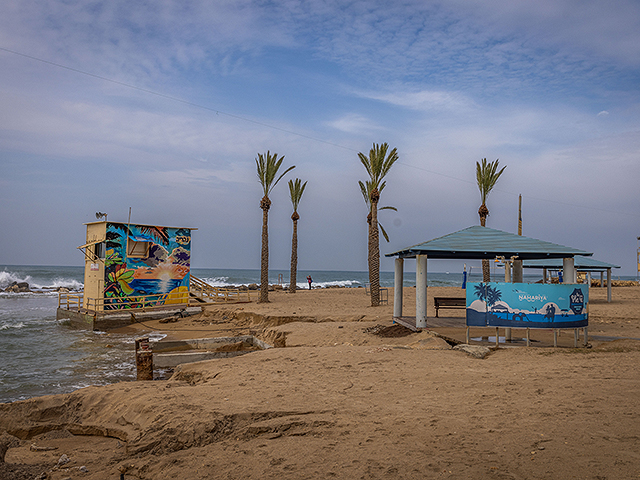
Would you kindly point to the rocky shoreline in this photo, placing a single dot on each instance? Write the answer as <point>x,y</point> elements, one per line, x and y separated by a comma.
<point>24,287</point>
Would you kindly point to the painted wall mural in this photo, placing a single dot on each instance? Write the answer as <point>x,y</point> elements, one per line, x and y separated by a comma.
<point>146,260</point>
<point>522,305</point>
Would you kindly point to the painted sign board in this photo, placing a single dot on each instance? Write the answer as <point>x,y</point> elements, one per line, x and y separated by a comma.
<point>522,305</point>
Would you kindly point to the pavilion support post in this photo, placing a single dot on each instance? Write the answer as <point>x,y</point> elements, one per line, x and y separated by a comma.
<point>516,277</point>
<point>398,279</point>
<point>568,270</point>
<point>544,275</point>
<point>609,285</point>
<point>421,291</point>
<point>602,278</point>
<point>517,271</point>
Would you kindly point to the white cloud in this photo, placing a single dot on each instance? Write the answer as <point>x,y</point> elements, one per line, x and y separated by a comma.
<point>354,123</point>
<point>425,100</point>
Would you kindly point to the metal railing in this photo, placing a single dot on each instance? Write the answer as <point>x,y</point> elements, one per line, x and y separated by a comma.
<point>198,290</point>
<point>207,293</point>
<point>70,301</point>
<point>139,302</point>
<point>75,301</point>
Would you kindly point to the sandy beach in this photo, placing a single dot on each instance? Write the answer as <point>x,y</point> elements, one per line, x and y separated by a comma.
<point>340,399</point>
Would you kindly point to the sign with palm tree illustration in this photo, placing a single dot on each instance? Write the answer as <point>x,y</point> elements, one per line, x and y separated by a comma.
<point>527,305</point>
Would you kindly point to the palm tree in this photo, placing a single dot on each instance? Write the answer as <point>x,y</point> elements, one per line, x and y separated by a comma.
<point>487,175</point>
<point>296,189</point>
<point>377,164</point>
<point>268,166</point>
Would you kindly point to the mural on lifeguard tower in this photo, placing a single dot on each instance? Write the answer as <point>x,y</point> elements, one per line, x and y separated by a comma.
<point>527,305</point>
<point>145,260</point>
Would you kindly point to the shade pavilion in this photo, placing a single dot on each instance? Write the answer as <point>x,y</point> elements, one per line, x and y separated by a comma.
<point>475,242</point>
<point>581,264</point>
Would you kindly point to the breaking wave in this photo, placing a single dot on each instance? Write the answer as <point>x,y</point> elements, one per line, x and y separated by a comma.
<point>39,284</point>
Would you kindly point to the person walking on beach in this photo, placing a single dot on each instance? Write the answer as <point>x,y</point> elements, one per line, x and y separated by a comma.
<point>309,279</point>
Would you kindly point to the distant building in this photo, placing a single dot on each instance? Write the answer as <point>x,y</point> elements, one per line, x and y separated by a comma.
<point>130,265</point>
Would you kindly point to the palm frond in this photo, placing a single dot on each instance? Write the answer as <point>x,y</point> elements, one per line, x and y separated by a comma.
<point>378,163</point>
<point>159,233</point>
<point>365,189</point>
<point>267,167</point>
<point>384,232</point>
<point>296,189</point>
<point>487,175</point>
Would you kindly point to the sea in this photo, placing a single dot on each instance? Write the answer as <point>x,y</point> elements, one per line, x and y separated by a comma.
<point>40,355</point>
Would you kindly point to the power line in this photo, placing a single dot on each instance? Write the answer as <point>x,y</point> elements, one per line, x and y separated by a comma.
<point>175,99</point>
<point>273,127</point>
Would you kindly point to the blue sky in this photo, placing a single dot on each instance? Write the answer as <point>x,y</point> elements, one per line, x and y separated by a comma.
<point>551,88</point>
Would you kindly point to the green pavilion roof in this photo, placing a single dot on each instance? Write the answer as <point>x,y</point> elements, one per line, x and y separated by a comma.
<point>482,242</point>
<point>580,263</point>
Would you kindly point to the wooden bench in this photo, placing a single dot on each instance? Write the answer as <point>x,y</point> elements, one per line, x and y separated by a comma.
<point>449,302</point>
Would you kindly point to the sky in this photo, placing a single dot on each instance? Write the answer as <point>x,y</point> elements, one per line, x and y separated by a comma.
<point>164,106</point>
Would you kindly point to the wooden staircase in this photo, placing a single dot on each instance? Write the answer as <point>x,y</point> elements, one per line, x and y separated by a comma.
<point>200,292</point>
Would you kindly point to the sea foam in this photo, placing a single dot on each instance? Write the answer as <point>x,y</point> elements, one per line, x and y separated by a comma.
<point>7,278</point>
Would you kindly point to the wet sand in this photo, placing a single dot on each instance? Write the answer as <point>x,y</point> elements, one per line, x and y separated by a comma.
<point>340,401</point>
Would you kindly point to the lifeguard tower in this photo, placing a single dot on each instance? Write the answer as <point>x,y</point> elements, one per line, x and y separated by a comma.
<point>137,269</point>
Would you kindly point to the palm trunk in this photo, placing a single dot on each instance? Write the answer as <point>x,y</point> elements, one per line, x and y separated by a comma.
<point>369,248</point>
<point>374,268</point>
<point>294,259</point>
<point>264,261</point>
<point>486,267</point>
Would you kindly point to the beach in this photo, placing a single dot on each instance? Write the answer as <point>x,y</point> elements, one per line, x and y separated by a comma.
<point>349,395</point>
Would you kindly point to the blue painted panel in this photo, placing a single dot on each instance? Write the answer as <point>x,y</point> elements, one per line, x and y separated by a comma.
<point>522,305</point>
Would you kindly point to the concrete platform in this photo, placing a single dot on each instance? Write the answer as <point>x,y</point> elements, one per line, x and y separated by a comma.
<point>107,320</point>
<point>171,353</point>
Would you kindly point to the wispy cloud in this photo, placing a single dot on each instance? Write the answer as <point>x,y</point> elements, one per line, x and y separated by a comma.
<point>354,123</point>
<point>425,100</point>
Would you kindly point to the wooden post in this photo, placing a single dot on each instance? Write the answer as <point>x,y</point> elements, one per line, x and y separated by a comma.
<point>528,337</point>
<point>497,337</point>
<point>144,359</point>
<point>555,337</point>
<point>398,279</point>
<point>586,336</point>
<point>575,338</point>
<point>468,336</point>
<point>609,285</point>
